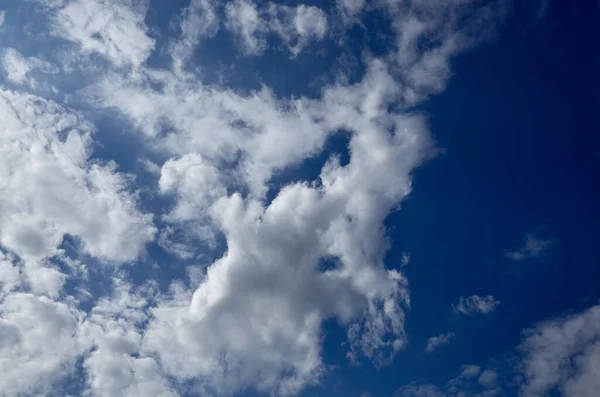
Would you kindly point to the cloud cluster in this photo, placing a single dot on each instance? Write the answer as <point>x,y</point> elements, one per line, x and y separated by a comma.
<point>560,355</point>
<point>296,26</point>
<point>113,29</point>
<point>51,188</point>
<point>252,318</point>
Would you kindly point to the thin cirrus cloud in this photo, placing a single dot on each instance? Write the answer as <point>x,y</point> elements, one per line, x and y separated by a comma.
<point>475,304</point>
<point>436,342</point>
<point>212,161</point>
<point>532,247</point>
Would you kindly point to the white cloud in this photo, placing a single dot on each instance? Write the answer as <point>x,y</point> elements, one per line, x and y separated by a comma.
<point>273,261</point>
<point>114,331</point>
<point>114,29</point>
<point>438,341</point>
<point>198,20</point>
<point>563,354</point>
<point>476,304</point>
<point>197,184</point>
<point>532,248</point>
<point>17,67</point>
<point>2,17</point>
<point>38,343</point>
<point>50,188</point>
<point>350,8</point>
<point>429,34</point>
<point>470,371</point>
<point>297,26</point>
<point>221,333</point>
<point>244,21</point>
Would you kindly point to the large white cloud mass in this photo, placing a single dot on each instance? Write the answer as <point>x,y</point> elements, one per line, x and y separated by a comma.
<point>51,187</point>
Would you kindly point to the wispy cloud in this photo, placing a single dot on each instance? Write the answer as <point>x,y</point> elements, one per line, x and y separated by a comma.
<point>475,304</point>
<point>532,247</point>
<point>437,341</point>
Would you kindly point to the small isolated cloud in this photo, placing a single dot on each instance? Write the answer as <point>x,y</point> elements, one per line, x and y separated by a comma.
<point>2,17</point>
<point>405,259</point>
<point>470,371</point>
<point>531,248</point>
<point>437,341</point>
<point>476,304</point>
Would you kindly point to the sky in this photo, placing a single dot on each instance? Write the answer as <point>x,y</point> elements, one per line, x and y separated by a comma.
<point>387,198</point>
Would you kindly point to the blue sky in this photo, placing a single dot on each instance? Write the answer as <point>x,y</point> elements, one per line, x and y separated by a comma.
<point>390,198</point>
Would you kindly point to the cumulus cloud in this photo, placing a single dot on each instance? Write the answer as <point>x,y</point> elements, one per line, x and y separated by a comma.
<point>438,341</point>
<point>564,355</point>
<point>30,364</point>
<point>51,189</point>
<point>273,260</point>
<point>113,331</point>
<point>476,304</point>
<point>113,29</point>
<point>533,247</point>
